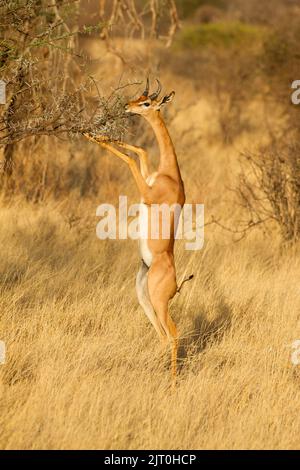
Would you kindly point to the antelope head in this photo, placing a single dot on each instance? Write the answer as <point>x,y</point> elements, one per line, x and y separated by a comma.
<point>148,104</point>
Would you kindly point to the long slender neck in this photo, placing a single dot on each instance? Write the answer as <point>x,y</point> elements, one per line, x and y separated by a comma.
<point>168,160</point>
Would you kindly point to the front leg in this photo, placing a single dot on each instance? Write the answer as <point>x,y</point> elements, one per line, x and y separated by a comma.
<point>142,154</point>
<point>143,187</point>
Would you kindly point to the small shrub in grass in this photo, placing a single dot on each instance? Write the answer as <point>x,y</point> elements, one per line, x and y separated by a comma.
<point>270,188</point>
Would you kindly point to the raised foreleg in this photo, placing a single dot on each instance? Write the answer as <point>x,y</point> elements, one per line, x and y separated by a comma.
<point>142,154</point>
<point>143,187</point>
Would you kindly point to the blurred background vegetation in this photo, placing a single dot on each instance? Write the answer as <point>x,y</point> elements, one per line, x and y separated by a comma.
<point>234,60</point>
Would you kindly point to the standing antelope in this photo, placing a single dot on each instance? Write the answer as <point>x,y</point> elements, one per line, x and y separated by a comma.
<point>156,279</point>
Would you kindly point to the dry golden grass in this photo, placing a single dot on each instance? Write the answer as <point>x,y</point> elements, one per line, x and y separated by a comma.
<point>84,368</point>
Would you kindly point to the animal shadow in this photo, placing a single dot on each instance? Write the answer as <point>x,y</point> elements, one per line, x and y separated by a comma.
<point>204,332</point>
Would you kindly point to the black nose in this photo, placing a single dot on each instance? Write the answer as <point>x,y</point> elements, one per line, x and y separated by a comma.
<point>127,108</point>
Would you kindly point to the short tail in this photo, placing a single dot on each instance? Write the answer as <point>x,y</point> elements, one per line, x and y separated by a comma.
<point>184,280</point>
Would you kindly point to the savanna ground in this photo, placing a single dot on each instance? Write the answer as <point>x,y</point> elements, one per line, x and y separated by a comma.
<point>84,369</point>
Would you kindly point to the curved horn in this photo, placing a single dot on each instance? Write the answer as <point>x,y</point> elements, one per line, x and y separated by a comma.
<point>157,92</point>
<point>146,92</point>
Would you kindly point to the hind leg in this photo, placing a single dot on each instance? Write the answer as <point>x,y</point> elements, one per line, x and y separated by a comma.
<point>144,300</point>
<point>162,287</point>
<point>171,331</point>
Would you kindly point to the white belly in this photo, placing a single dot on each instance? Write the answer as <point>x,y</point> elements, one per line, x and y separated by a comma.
<point>143,222</point>
<point>151,179</point>
<point>145,252</point>
<point>143,242</point>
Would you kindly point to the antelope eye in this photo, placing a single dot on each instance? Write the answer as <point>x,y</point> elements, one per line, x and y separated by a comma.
<point>146,104</point>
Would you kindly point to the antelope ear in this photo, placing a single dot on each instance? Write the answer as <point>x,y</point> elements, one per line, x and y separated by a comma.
<point>165,100</point>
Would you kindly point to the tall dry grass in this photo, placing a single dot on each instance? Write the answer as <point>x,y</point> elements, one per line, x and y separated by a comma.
<point>84,369</point>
